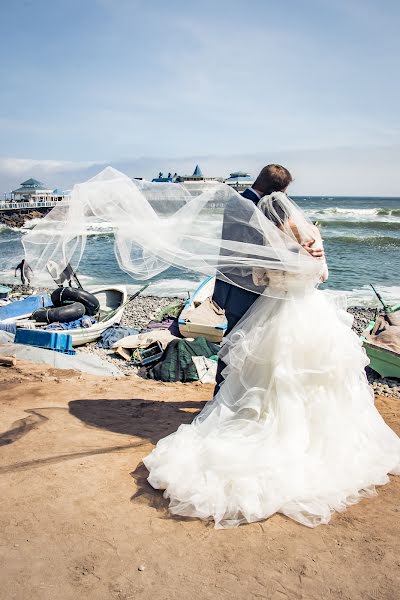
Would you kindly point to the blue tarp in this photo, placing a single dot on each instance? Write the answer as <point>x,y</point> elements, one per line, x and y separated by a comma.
<point>113,334</point>
<point>24,307</point>
<point>9,327</point>
<point>85,322</point>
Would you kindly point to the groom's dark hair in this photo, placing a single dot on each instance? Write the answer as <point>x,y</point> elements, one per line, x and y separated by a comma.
<point>272,178</point>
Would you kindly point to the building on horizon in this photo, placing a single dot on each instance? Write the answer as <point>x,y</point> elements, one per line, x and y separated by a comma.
<point>33,190</point>
<point>240,180</point>
<point>161,179</point>
<point>197,177</point>
<point>197,182</point>
<point>194,183</point>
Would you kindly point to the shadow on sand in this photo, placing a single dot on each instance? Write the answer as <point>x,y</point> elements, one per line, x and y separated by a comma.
<point>147,419</point>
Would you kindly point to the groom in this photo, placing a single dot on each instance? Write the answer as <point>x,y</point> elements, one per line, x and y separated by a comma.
<point>235,300</point>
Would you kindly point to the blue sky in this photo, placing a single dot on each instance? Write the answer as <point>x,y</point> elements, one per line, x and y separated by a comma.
<point>162,85</point>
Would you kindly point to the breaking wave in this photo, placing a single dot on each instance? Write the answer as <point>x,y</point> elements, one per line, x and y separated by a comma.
<point>29,224</point>
<point>393,225</point>
<point>364,296</point>
<point>97,228</point>
<point>358,212</point>
<point>378,241</point>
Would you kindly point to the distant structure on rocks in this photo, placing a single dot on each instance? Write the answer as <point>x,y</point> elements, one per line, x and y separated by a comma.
<point>33,191</point>
<point>196,183</point>
<point>240,180</point>
<point>31,200</point>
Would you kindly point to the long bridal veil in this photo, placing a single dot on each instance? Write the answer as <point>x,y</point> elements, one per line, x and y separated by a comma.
<point>156,226</point>
<point>293,429</point>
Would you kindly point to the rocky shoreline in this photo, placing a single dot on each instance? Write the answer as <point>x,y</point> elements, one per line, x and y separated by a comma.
<point>145,308</point>
<point>19,219</point>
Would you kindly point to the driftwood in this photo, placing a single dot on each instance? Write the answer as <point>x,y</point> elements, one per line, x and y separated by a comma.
<point>8,361</point>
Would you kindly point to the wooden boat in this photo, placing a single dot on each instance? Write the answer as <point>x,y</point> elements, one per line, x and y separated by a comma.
<point>202,317</point>
<point>382,360</point>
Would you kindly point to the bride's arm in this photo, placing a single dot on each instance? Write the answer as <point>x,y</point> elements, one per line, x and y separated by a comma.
<point>313,244</point>
<point>318,245</point>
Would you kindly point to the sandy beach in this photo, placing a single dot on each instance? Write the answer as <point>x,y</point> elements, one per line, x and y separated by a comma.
<point>219,184</point>
<point>80,521</point>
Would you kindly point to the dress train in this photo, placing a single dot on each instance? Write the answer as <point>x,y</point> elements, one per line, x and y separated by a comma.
<point>293,428</point>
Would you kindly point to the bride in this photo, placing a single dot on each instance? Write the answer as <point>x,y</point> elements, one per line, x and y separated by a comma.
<point>293,428</point>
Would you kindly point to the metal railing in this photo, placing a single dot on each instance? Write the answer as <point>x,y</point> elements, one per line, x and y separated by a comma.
<point>29,205</point>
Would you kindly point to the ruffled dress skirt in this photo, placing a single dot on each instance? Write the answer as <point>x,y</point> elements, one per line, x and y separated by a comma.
<point>293,429</point>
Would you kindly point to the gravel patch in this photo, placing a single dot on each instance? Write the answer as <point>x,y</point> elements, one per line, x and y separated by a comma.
<point>362,316</point>
<point>383,386</point>
<point>144,309</point>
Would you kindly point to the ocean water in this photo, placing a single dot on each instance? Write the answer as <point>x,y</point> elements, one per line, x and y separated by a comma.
<point>362,244</point>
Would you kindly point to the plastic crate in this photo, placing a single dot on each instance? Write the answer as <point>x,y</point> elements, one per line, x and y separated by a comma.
<point>50,340</point>
<point>146,356</point>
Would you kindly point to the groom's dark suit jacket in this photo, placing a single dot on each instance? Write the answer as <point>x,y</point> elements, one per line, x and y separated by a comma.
<point>233,299</point>
<point>236,300</point>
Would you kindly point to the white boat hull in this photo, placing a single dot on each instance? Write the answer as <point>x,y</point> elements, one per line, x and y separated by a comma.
<point>106,296</point>
<point>110,298</point>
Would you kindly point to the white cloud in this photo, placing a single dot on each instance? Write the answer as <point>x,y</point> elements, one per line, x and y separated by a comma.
<point>55,173</point>
<point>343,171</point>
<point>18,166</point>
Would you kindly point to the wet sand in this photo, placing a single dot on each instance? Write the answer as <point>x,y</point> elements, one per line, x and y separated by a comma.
<point>79,521</point>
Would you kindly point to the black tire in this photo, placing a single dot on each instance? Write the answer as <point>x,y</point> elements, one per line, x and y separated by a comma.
<point>63,296</point>
<point>60,314</point>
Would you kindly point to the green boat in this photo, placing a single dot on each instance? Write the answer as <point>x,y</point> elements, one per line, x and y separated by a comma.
<point>382,360</point>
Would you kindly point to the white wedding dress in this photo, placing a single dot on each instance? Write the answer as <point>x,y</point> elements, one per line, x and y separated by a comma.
<point>293,428</point>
